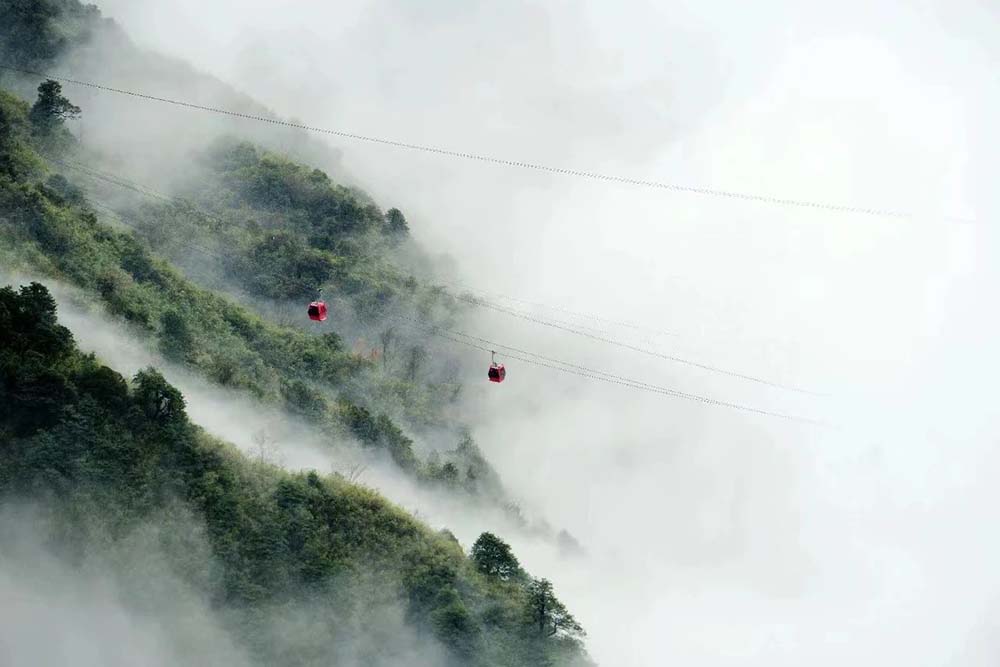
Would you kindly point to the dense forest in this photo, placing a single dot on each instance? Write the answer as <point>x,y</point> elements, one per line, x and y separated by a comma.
<point>204,268</point>
<point>108,454</point>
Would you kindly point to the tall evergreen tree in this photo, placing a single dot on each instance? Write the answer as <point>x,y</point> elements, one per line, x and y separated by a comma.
<point>51,109</point>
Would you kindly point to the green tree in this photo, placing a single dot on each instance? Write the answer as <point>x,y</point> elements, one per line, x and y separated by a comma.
<point>28,322</point>
<point>547,614</point>
<point>64,190</point>
<point>51,109</point>
<point>158,400</point>
<point>106,387</point>
<point>282,266</point>
<point>392,438</point>
<point>395,222</point>
<point>448,474</point>
<point>494,558</point>
<point>360,421</point>
<point>303,399</point>
<point>27,35</point>
<point>15,160</point>
<point>176,341</point>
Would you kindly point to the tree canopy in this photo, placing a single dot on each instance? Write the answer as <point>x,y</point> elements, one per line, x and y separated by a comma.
<point>493,557</point>
<point>51,109</point>
<point>546,613</point>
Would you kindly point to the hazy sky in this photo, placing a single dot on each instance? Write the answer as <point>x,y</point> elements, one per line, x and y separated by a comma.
<point>715,537</point>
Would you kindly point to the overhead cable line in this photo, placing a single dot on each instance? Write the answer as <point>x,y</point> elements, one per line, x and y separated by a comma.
<point>642,350</point>
<point>573,329</point>
<point>588,316</point>
<point>480,157</point>
<point>118,216</point>
<point>611,378</point>
<point>540,360</point>
<point>644,333</point>
<point>121,181</point>
<point>535,359</point>
<point>115,180</point>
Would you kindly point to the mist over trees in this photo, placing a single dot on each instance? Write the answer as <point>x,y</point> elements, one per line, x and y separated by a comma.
<point>292,568</point>
<point>119,452</point>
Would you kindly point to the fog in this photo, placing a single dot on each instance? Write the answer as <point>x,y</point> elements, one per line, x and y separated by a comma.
<point>120,608</point>
<point>124,602</point>
<point>271,435</point>
<point>714,536</point>
<point>121,601</point>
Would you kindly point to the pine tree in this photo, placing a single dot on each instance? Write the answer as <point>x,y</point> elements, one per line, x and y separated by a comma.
<point>51,109</point>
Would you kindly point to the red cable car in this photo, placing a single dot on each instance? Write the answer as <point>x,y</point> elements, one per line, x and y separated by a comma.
<point>317,311</point>
<point>497,371</point>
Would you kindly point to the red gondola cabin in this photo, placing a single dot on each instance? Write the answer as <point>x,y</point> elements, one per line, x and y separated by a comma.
<point>497,372</point>
<point>317,311</point>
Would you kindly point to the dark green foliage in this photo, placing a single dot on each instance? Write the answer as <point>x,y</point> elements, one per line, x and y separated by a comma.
<point>546,614</point>
<point>28,35</point>
<point>456,627</point>
<point>395,223</point>
<point>61,190</point>
<point>303,400</point>
<point>51,109</point>
<point>449,474</point>
<point>360,422</point>
<point>494,558</point>
<point>379,431</point>
<point>464,468</point>
<point>157,399</point>
<point>34,33</point>
<point>105,387</point>
<point>15,159</point>
<point>282,267</point>
<point>400,447</point>
<point>137,262</point>
<point>28,320</point>
<point>117,455</point>
<point>176,341</point>
<point>322,210</point>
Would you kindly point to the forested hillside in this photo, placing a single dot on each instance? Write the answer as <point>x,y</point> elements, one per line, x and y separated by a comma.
<point>271,233</point>
<point>105,455</point>
<point>315,376</point>
<point>207,269</point>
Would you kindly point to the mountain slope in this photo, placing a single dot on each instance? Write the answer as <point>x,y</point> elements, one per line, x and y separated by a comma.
<point>108,456</point>
<point>105,459</point>
<point>52,227</point>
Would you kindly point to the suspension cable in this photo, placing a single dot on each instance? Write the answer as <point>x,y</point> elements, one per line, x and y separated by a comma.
<point>479,157</point>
